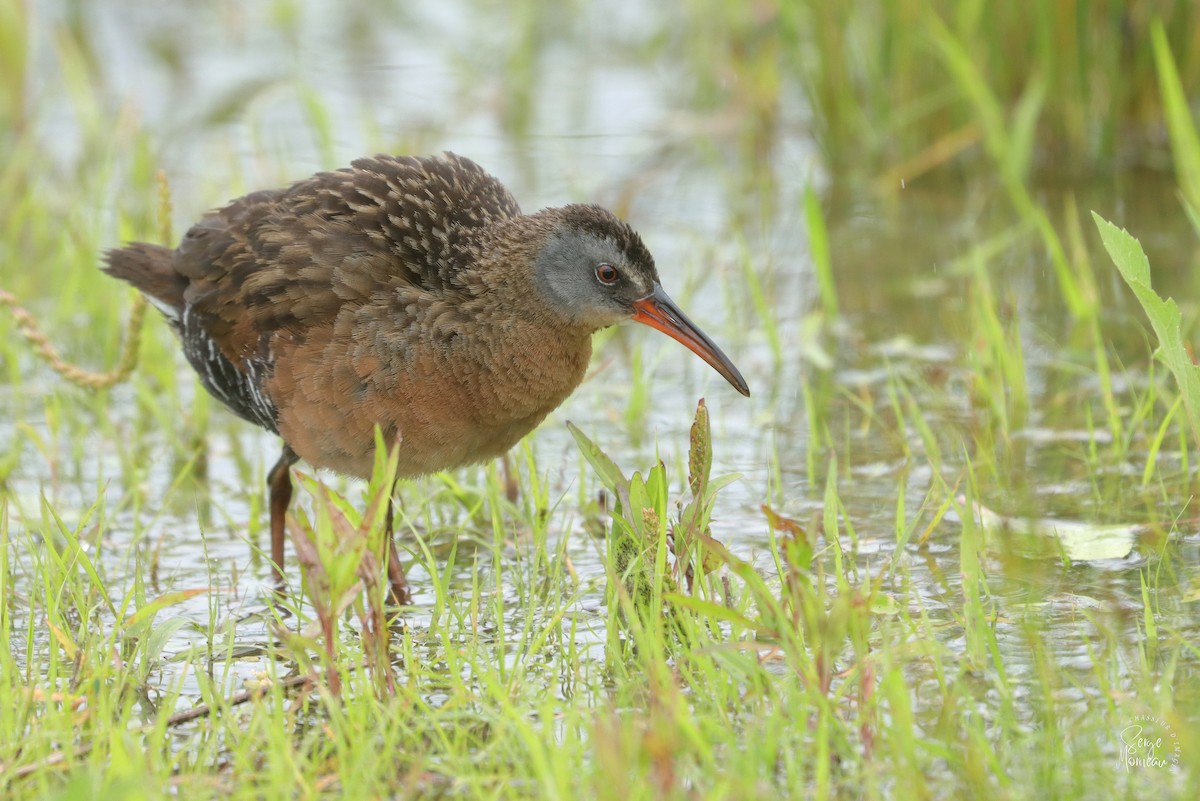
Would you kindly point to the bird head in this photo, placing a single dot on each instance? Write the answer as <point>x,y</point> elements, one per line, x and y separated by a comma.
<point>594,270</point>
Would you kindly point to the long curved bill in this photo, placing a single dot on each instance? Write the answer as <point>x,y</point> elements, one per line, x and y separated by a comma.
<point>658,311</point>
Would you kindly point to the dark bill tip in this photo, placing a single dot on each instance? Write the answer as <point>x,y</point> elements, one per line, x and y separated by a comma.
<point>658,311</point>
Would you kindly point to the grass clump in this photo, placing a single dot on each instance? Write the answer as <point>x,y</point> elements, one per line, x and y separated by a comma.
<point>822,677</point>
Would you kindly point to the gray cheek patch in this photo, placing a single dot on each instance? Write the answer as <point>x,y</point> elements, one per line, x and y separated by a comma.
<point>566,273</point>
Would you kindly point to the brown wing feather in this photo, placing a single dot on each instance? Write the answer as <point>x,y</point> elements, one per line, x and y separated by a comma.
<point>291,259</point>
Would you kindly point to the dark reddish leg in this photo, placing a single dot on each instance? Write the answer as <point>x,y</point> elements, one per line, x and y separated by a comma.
<point>279,485</point>
<point>400,595</point>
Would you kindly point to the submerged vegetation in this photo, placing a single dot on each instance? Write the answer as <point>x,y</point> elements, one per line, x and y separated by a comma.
<point>949,550</point>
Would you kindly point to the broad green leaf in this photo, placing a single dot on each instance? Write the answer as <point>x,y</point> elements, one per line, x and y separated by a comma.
<point>1126,252</point>
<point>606,469</point>
<point>641,498</point>
<point>162,634</point>
<point>1165,318</point>
<point>656,489</point>
<point>718,484</point>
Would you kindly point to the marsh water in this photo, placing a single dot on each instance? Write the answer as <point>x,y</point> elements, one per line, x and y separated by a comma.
<point>232,99</point>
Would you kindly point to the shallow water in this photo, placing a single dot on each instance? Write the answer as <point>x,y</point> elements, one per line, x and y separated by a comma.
<point>597,125</point>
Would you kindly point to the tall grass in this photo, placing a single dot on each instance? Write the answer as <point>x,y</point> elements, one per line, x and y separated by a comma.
<point>883,92</point>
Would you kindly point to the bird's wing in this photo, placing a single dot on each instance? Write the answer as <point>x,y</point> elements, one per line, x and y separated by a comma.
<point>292,259</point>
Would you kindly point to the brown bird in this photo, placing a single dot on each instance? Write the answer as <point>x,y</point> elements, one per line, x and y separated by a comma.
<point>409,293</point>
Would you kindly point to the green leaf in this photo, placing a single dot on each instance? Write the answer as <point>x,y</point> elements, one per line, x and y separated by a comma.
<point>161,635</point>
<point>690,520</point>
<point>1126,252</point>
<point>75,549</point>
<point>713,611</point>
<point>1024,127</point>
<point>714,554</point>
<point>606,469</point>
<point>1185,142</point>
<point>640,499</point>
<point>721,483</point>
<point>147,612</point>
<point>818,246</point>
<point>1193,215</point>
<point>1165,317</point>
<point>656,490</point>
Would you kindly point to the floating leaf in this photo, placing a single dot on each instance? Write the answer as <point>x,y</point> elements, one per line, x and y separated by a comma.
<point>1080,540</point>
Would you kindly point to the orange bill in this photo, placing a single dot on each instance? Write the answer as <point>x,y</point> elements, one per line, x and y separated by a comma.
<point>658,311</point>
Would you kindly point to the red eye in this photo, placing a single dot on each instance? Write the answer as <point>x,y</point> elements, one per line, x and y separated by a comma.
<point>607,274</point>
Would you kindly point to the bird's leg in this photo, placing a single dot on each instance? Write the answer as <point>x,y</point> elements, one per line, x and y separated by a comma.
<point>512,489</point>
<point>400,594</point>
<point>279,486</point>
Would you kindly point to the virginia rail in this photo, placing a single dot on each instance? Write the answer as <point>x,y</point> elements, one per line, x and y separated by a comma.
<point>409,293</point>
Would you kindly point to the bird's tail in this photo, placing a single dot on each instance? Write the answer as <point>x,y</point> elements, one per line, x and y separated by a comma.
<point>148,268</point>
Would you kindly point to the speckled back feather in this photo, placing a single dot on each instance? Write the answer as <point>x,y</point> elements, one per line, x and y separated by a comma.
<point>290,259</point>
